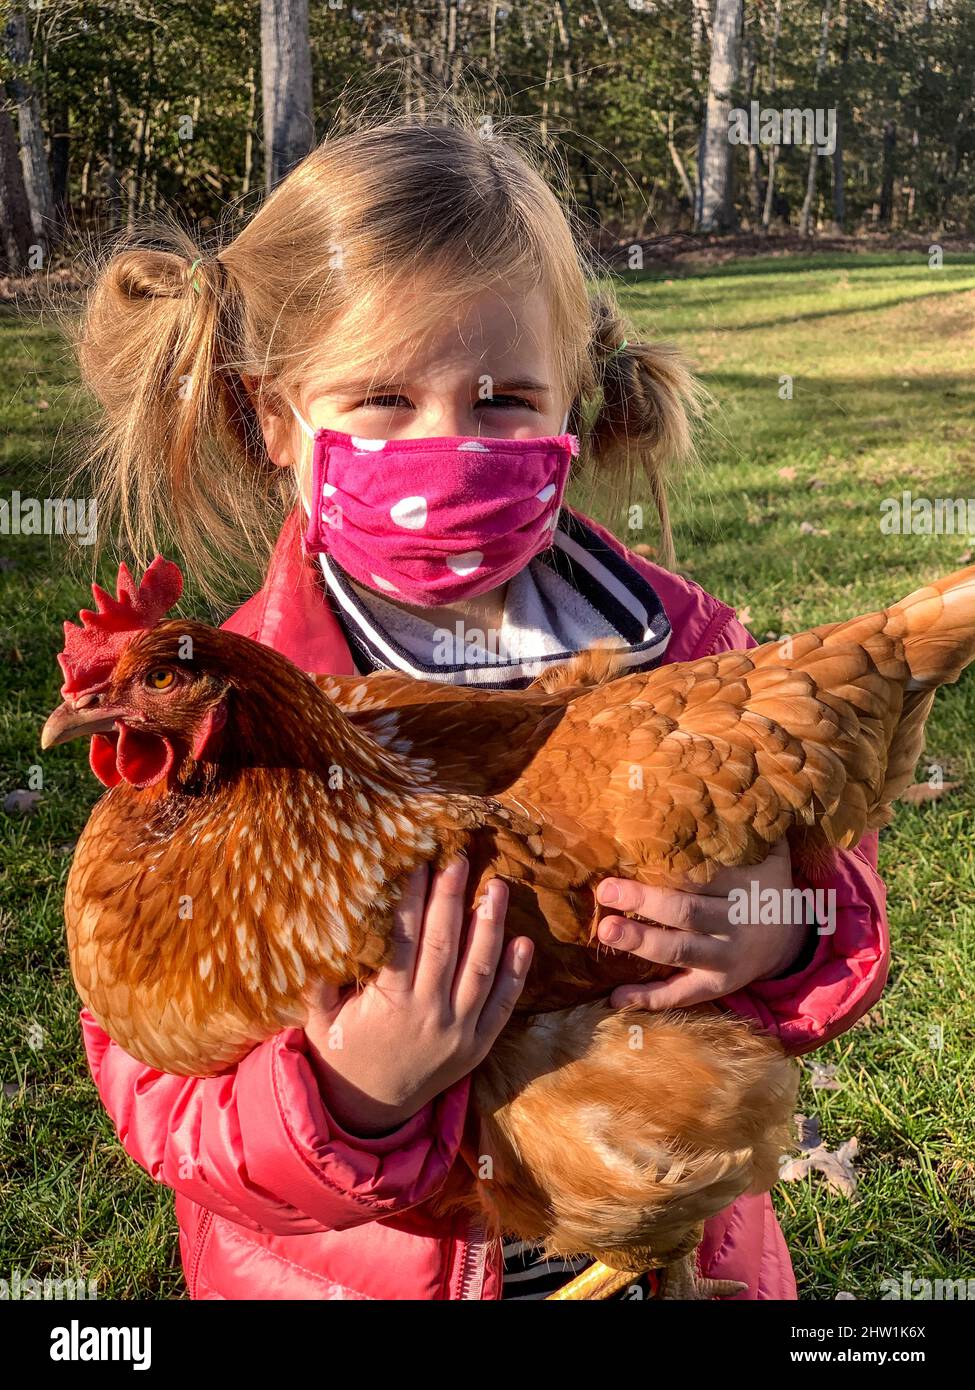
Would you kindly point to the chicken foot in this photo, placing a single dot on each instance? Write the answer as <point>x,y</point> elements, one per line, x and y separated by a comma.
<point>596,1281</point>
<point>680,1279</point>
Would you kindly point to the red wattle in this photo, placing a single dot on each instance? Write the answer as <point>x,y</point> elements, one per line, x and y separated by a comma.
<point>143,759</point>
<point>101,757</point>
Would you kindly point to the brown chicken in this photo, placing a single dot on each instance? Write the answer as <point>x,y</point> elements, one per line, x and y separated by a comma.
<point>260,824</point>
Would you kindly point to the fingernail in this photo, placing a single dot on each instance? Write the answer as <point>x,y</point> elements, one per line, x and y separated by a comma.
<point>610,931</point>
<point>485,907</point>
<point>523,954</point>
<point>608,891</point>
<point>457,866</point>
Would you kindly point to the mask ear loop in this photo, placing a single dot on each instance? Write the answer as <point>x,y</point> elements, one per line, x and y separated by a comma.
<point>307,504</point>
<point>302,421</point>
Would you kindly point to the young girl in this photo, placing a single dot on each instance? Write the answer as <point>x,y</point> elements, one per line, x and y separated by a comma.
<point>414,281</point>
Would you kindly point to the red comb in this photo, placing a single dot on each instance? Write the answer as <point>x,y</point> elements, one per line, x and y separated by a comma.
<point>91,651</point>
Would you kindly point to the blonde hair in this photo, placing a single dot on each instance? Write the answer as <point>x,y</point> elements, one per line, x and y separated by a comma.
<point>404,216</point>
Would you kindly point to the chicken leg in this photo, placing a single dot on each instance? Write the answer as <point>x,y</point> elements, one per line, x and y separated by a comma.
<point>679,1279</point>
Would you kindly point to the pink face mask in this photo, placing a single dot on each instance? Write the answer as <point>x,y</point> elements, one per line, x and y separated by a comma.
<point>432,521</point>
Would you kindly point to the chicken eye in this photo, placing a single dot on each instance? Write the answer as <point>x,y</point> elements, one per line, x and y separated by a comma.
<point>161,679</point>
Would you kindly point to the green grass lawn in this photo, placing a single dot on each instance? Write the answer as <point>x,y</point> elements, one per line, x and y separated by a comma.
<point>882,361</point>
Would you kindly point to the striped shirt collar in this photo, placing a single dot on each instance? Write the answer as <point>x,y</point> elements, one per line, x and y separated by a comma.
<point>626,604</point>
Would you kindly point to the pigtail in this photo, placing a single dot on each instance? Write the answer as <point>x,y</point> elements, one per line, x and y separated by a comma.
<point>178,455</point>
<point>646,399</point>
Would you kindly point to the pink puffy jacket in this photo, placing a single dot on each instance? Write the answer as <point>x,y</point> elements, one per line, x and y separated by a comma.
<point>276,1200</point>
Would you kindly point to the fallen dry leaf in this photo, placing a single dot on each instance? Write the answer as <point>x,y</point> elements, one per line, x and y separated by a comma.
<point>836,1165</point>
<point>788,474</point>
<point>873,1019</point>
<point>823,1077</point>
<point>924,791</point>
<point>806,528</point>
<point>965,559</point>
<point>744,615</point>
<point>643,549</point>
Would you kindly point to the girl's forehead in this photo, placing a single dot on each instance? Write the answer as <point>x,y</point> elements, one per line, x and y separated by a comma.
<point>502,330</point>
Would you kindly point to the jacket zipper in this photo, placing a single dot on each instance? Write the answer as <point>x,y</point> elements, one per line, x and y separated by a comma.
<point>201,1236</point>
<point>473,1264</point>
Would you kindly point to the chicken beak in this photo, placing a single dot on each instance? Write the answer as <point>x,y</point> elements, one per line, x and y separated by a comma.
<point>78,719</point>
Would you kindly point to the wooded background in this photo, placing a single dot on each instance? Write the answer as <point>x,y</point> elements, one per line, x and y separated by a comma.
<point>110,110</point>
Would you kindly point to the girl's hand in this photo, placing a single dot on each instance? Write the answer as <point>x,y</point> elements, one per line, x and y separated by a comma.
<point>715,955</point>
<point>429,1016</point>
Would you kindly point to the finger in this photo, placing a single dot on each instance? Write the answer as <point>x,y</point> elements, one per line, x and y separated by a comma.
<point>670,907</point>
<point>399,970</point>
<point>506,990</point>
<point>679,992</point>
<point>482,951</point>
<point>664,945</point>
<point>443,921</point>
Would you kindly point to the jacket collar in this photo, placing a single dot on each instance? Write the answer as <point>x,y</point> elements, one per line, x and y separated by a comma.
<point>291,614</point>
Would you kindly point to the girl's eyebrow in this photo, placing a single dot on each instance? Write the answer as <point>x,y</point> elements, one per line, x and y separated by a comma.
<point>525,384</point>
<point>373,387</point>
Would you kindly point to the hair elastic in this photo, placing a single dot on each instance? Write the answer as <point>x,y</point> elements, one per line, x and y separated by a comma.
<point>198,261</point>
<point>620,348</point>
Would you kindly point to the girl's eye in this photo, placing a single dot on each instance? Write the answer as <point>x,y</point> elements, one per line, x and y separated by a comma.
<point>390,402</point>
<point>161,679</point>
<point>509,402</point>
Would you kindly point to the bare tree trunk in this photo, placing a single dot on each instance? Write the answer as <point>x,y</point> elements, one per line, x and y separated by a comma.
<point>549,68</point>
<point>110,176</point>
<point>37,176</point>
<point>805,217</point>
<point>16,232</point>
<point>667,131</point>
<point>839,184</point>
<point>289,126</point>
<point>251,85</point>
<point>60,160</point>
<point>569,77</point>
<point>749,70</point>
<point>887,176</point>
<point>839,171</point>
<point>700,32</point>
<point>715,167</point>
<point>773,154</point>
<point>140,143</point>
<point>493,40</point>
